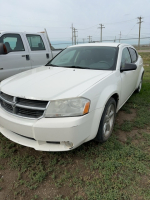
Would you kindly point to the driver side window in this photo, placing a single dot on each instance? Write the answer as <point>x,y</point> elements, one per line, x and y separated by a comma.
<point>13,42</point>
<point>125,57</point>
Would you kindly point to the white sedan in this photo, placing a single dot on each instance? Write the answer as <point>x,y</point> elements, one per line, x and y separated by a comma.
<point>71,100</point>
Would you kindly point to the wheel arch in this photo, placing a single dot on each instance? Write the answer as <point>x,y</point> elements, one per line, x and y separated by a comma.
<point>107,93</point>
<point>141,74</point>
<point>100,108</point>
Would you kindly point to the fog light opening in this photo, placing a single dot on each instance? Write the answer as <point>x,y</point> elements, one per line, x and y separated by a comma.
<point>69,144</point>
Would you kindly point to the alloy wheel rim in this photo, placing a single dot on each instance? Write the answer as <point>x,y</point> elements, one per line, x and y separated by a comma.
<point>140,85</point>
<point>109,121</point>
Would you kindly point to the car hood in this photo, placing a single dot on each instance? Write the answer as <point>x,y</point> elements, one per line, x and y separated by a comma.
<point>49,83</point>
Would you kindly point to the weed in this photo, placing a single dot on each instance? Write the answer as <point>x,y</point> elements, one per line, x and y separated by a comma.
<point>111,170</point>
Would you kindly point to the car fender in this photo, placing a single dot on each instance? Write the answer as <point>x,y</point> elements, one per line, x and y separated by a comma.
<point>105,95</point>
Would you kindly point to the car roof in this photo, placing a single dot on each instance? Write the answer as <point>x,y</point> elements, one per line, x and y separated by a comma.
<point>106,44</point>
<point>97,44</point>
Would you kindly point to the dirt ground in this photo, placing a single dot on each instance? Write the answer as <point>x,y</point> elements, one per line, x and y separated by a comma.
<point>46,189</point>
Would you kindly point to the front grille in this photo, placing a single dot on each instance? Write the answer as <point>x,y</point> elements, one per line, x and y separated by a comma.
<point>29,112</point>
<point>32,103</point>
<point>23,107</point>
<point>7,106</point>
<point>6,96</point>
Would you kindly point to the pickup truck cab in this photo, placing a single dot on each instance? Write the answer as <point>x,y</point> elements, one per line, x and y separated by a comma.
<point>23,51</point>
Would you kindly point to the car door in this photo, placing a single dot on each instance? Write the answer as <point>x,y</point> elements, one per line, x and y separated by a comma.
<point>128,78</point>
<point>16,60</point>
<point>38,51</point>
<point>134,58</point>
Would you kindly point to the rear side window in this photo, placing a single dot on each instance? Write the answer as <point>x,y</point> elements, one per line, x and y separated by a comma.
<point>125,57</point>
<point>13,42</point>
<point>133,55</point>
<point>35,42</point>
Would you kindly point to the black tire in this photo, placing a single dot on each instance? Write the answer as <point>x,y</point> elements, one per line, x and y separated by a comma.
<point>103,134</point>
<point>140,85</point>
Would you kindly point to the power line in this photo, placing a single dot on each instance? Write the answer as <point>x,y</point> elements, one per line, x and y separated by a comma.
<point>105,40</point>
<point>131,29</point>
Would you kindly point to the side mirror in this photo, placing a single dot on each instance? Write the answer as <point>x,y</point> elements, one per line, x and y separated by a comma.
<point>3,49</point>
<point>128,67</point>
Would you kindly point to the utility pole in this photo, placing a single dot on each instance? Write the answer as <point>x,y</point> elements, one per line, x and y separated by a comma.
<point>89,37</point>
<point>140,21</point>
<point>119,36</point>
<point>115,39</point>
<point>72,33</point>
<point>101,27</point>
<point>75,36</point>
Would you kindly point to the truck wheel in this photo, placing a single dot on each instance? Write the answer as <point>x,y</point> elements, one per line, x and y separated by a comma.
<point>107,121</point>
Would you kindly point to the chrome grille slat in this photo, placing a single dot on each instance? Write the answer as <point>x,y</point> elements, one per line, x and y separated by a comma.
<point>7,107</point>
<point>31,103</point>
<point>6,97</point>
<point>31,113</point>
<point>9,102</point>
<point>27,108</point>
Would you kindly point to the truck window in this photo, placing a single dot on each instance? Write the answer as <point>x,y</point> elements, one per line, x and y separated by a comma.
<point>13,42</point>
<point>35,42</point>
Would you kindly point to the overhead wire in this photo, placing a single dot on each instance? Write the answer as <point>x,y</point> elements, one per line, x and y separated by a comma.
<point>104,40</point>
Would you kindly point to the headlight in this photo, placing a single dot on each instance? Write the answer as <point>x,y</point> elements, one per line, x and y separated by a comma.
<point>68,107</point>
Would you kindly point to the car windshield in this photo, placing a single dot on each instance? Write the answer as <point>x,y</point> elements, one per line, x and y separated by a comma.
<point>87,57</point>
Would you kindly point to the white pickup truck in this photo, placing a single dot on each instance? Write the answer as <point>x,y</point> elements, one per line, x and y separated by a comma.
<point>20,51</point>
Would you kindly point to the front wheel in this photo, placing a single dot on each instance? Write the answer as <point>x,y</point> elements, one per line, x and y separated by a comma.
<point>107,121</point>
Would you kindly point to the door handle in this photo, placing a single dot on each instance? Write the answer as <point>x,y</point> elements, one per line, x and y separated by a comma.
<point>1,68</point>
<point>47,55</point>
<point>27,57</point>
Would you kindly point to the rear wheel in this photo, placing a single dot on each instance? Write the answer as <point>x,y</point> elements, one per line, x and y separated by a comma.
<point>140,85</point>
<point>107,121</point>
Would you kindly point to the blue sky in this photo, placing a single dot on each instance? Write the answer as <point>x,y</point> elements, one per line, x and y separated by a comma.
<point>86,15</point>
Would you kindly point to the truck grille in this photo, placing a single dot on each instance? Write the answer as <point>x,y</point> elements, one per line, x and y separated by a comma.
<point>23,107</point>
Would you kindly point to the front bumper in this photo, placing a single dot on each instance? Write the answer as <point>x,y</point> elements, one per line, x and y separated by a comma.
<point>46,134</point>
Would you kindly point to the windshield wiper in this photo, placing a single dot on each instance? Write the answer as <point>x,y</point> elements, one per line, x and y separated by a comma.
<point>51,65</point>
<point>73,66</point>
<point>78,67</point>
